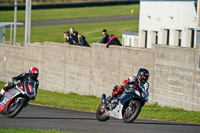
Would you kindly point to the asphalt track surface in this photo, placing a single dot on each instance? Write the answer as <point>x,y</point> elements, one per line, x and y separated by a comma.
<point>81,20</point>
<point>39,117</point>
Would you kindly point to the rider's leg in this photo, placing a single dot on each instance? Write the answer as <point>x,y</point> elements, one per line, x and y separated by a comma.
<point>116,90</point>
<point>110,98</point>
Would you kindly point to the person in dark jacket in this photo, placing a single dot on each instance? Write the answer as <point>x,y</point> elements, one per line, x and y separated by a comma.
<point>67,37</point>
<point>74,36</point>
<point>82,41</point>
<point>113,41</point>
<point>105,36</point>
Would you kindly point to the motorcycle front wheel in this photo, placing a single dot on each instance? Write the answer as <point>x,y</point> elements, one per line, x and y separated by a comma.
<point>15,107</point>
<point>132,111</point>
<point>100,114</point>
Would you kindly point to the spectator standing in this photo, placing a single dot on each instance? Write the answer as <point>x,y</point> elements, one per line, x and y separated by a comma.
<point>82,41</point>
<point>67,37</point>
<point>113,41</point>
<point>105,37</point>
<point>74,36</point>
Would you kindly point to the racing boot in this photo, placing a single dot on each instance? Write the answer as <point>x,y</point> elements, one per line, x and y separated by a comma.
<point>117,89</point>
<point>2,93</point>
<point>111,101</point>
<point>110,98</point>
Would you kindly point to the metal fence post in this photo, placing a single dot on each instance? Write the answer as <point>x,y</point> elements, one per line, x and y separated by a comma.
<point>11,28</point>
<point>28,22</point>
<point>15,22</point>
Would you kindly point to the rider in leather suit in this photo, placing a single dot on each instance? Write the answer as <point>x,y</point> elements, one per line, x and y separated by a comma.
<point>138,82</point>
<point>31,76</point>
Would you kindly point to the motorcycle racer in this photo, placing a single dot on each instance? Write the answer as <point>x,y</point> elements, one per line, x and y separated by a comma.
<point>31,76</point>
<point>138,82</point>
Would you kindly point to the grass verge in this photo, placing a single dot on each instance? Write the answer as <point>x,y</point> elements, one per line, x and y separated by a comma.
<point>20,130</point>
<point>71,13</point>
<point>91,103</point>
<point>69,101</point>
<point>92,31</point>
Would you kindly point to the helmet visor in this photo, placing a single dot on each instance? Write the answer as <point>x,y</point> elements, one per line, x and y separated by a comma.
<point>34,76</point>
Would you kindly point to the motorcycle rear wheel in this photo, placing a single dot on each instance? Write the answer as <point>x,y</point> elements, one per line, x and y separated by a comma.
<point>131,113</point>
<point>15,107</point>
<point>100,114</point>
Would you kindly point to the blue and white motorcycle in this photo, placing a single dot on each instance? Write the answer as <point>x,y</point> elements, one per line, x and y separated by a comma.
<point>127,106</point>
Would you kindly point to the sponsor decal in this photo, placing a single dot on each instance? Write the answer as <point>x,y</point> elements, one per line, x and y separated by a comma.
<point>9,95</point>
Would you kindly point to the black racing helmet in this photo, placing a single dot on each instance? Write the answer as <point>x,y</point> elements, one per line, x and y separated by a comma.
<point>144,74</point>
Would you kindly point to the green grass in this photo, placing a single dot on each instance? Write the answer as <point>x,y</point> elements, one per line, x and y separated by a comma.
<point>20,130</point>
<point>92,31</point>
<point>170,114</point>
<point>71,13</point>
<point>70,100</point>
<point>1,84</point>
<point>91,103</point>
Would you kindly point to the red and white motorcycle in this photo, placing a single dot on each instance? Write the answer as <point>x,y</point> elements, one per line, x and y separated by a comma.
<point>17,98</point>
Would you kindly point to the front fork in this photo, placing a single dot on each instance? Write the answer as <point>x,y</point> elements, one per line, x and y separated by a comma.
<point>131,104</point>
<point>103,98</point>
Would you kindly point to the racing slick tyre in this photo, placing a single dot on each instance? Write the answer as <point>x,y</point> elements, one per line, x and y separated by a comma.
<point>131,112</point>
<point>100,114</point>
<point>15,107</point>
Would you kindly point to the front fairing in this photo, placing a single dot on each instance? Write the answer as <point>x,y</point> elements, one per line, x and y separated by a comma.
<point>116,112</point>
<point>7,99</point>
<point>125,97</point>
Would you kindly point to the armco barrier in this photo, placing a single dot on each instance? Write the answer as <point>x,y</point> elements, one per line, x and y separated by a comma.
<point>174,71</point>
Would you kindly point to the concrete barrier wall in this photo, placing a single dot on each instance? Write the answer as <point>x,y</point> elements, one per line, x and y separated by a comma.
<point>174,71</point>
<point>196,80</point>
<point>174,77</point>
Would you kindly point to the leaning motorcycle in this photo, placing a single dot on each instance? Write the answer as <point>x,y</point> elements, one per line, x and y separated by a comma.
<point>17,98</point>
<point>127,106</point>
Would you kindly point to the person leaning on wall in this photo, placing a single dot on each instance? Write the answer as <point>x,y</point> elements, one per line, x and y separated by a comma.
<point>113,41</point>
<point>74,36</point>
<point>105,37</point>
<point>82,41</point>
<point>67,37</point>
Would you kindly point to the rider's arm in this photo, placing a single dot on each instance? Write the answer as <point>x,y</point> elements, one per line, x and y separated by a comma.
<point>19,77</point>
<point>36,86</point>
<point>129,79</point>
<point>144,87</point>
